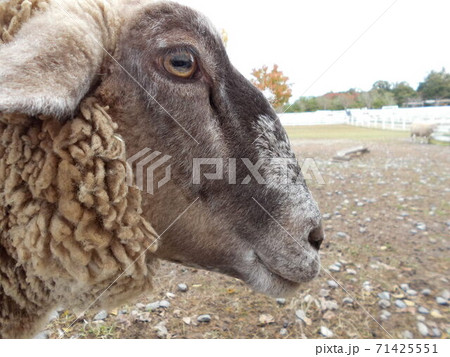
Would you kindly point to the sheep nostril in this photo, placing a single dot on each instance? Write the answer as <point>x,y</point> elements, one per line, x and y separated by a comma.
<point>315,237</point>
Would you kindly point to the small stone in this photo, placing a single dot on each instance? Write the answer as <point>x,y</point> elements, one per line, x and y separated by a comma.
<point>101,315</point>
<point>441,301</point>
<point>281,301</point>
<point>385,295</point>
<point>42,335</point>
<point>187,320</point>
<point>308,298</point>
<point>404,287</point>
<point>266,319</point>
<point>324,292</point>
<point>423,310</point>
<point>384,304</point>
<point>351,271</point>
<point>420,318</point>
<point>152,306</point>
<point>426,292</point>
<point>164,304</point>
<point>411,292</point>
<point>362,229</point>
<point>161,329</point>
<point>283,332</point>
<point>182,287</point>
<point>334,268</point>
<point>331,305</point>
<point>347,300</point>
<point>170,295</point>
<point>421,226</point>
<point>367,286</point>
<point>332,284</point>
<point>140,306</point>
<point>445,294</point>
<point>423,329</point>
<point>435,332</point>
<point>326,332</point>
<point>204,318</point>
<point>326,216</point>
<point>144,317</point>
<point>341,235</point>
<point>407,334</point>
<point>385,315</point>
<point>300,314</point>
<point>436,314</point>
<point>400,304</point>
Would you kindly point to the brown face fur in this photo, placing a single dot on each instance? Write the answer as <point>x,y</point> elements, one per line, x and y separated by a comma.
<point>266,234</point>
<point>226,229</point>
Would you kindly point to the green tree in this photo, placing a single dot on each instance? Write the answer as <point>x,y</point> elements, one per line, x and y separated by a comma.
<point>380,95</point>
<point>435,86</point>
<point>366,99</point>
<point>403,92</point>
<point>381,98</point>
<point>382,86</point>
<point>303,104</point>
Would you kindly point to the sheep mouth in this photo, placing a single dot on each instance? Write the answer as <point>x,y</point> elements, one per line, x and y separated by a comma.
<point>287,277</point>
<point>272,271</point>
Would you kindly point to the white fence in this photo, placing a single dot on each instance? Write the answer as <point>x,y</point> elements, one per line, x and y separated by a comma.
<point>392,118</point>
<point>321,117</point>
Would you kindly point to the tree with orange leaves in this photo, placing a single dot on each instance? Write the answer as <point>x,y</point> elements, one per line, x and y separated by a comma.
<point>274,84</point>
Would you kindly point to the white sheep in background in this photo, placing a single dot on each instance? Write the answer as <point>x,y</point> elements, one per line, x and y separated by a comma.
<point>422,130</point>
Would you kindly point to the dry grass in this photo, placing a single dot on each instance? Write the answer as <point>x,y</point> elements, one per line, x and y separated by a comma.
<point>343,132</point>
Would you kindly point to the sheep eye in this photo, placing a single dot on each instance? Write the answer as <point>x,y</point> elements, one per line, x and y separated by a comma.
<point>181,64</point>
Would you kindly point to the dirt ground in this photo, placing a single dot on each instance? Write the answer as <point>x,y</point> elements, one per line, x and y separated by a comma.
<point>387,223</point>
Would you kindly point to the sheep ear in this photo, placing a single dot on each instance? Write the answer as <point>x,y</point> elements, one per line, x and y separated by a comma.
<point>53,60</point>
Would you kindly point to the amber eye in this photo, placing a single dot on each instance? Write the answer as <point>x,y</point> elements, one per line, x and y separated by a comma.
<point>181,64</point>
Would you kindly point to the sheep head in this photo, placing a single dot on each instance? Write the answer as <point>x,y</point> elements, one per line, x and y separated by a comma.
<point>164,73</point>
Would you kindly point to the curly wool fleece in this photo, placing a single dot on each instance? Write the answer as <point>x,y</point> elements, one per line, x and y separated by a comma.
<point>69,224</point>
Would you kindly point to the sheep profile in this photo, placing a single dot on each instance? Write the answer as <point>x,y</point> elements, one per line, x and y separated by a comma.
<point>87,84</point>
<point>422,130</point>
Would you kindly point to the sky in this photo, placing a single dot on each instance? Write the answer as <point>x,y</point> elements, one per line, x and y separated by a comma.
<point>335,45</point>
